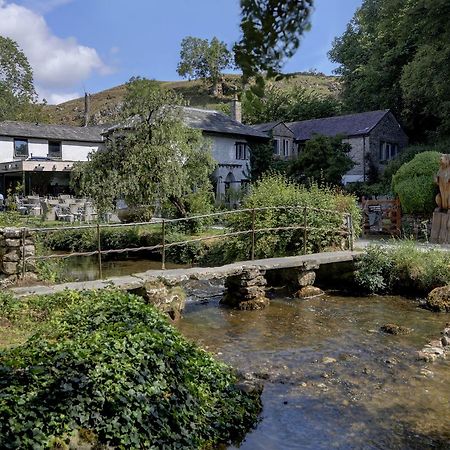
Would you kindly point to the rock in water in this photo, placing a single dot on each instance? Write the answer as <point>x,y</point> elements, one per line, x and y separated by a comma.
<point>392,328</point>
<point>309,292</point>
<point>439,299</point>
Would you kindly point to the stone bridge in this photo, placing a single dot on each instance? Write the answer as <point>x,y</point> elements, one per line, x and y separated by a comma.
<point>244,281</point>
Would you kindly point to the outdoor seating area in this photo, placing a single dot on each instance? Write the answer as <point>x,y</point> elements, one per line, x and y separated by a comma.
<point>64,208</point>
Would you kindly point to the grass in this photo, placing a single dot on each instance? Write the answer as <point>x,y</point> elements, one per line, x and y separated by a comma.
<point>105,103</point>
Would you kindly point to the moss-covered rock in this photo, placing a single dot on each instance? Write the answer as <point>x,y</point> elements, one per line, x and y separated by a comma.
<point>439,299</point>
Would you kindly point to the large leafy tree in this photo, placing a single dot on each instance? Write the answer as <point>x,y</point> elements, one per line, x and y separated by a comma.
<point>396,54</point>
<point>288,105</point>
<point>271,31</point>
<point>323,159</point>
<point>151,157</point>
<point>17,94</point>
<point>200,58</point>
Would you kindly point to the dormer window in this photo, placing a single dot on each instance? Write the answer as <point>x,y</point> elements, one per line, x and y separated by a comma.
<point>54,149</point>
<point>20,148</point>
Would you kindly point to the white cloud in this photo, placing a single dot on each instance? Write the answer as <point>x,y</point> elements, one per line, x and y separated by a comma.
<point>58,64</point>
<point>56,99</point>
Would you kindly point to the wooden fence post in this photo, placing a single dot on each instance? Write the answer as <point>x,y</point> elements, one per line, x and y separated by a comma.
<point>350,231</point>
<point>253,234</point>
<point>305,225</point>
<point>99,252</point>
<point>163,256</point>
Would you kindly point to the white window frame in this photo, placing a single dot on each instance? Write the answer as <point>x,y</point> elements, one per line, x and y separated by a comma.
<point>241,149</point>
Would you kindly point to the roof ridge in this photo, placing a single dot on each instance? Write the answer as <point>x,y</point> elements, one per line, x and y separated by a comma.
<point>340,116</point>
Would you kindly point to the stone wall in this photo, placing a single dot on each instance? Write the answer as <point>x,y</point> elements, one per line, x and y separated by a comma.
<point>12,248</point>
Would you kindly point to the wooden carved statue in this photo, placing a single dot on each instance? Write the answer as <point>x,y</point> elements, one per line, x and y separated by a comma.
<point>442,179</point>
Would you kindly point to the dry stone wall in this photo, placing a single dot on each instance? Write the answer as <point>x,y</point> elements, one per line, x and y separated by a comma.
<point>14,243</point>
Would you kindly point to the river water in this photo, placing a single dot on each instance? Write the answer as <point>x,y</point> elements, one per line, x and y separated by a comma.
<point>331,379</point>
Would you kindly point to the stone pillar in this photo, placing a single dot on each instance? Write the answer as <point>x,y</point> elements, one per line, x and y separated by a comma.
<point>12,249</point>
<point>246,290</point>
<point>305,280</point>
<point>168,299</point>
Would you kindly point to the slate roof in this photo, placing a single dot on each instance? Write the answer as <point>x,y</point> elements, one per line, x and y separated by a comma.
<point>218,122</point>
<point>47,131</point>
<point>348,125</point>
<point>265,127</point>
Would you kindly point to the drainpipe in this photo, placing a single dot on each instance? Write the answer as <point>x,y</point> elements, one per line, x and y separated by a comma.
<point>364,158</point>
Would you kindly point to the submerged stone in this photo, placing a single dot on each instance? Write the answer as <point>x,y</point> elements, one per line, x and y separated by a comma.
<point>392,328</point>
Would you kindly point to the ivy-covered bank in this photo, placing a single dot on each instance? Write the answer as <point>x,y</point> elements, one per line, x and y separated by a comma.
<point>105,368</point>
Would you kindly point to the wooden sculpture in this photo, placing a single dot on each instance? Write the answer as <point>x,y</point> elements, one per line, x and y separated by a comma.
<point>442,179</point>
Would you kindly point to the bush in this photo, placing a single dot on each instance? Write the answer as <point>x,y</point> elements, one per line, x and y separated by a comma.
<point>414,183</point>
<point>402,268</point>
<point>108,366</point>
<point>275,190</point>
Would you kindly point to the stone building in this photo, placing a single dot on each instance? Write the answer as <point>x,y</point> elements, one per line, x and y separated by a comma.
<point>375,137</point>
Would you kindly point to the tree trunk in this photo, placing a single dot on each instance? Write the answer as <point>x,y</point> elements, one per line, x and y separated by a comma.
<point>179,205</point>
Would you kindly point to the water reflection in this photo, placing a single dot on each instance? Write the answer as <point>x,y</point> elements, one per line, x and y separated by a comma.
<point>86,268</point>
<point>332,380</point>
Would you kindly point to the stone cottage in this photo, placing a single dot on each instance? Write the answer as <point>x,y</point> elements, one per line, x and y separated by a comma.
<point>375,137</point>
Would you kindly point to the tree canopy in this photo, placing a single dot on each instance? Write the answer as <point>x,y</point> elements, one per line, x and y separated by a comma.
<point>323,159</point>
<point>17,93</point>
<point>271,31</point>
<point>396,54</point>
<point>288,105</point>
<point>200,58</point>
<point>151,157</point>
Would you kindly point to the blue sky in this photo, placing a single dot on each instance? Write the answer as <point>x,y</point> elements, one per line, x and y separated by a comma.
<point>77,45</point>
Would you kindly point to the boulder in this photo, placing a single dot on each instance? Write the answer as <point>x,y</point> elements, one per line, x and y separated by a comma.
<point>309,292</point>
<point>392,328</point>
<point>438,299</point>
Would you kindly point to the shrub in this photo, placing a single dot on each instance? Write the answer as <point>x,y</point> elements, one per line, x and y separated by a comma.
<point>275,190</point>
<point>414,183</point>
<point>109,366</point>
<point>402,268</point>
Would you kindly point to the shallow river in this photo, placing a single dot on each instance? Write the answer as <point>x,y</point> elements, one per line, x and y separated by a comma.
<point>331,379</point>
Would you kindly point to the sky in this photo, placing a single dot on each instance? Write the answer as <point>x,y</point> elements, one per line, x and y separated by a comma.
<point>77,46</point>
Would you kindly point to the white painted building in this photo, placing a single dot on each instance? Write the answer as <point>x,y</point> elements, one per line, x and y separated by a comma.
<point>42,155</point>
<point>231,145</point>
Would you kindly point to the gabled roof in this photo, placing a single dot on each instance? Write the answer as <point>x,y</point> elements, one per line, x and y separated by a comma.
<point>265,127</point>
<point>218,122</point>
<point>47,131</point>
<point>348,125</point>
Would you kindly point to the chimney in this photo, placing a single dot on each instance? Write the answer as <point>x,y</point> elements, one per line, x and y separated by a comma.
<point>236,109</point>
<point>87,101</point>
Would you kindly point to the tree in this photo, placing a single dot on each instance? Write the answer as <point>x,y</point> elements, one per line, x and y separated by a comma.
<point>323,159</point>
<point>395,54</point>
<point>271,32</point>
<point>18,99</point>
<point>151,157</point>
<point>414,183</point>
<point>200,58</point>
<point>288,105</point>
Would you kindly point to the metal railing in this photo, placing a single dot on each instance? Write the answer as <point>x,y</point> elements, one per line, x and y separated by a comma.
<point>345,230</point>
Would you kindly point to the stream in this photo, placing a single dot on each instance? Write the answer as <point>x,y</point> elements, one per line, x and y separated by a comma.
<point>331,379</point>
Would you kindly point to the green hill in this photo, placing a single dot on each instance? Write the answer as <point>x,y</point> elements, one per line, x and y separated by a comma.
<point>105,105</point>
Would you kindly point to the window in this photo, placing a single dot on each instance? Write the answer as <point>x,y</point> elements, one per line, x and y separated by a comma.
<point>276,147</point>
<point>20,148</point>
<point>54,149</point>
<point>388,151</point>
<point>285,147</point>
<point>241,150</point>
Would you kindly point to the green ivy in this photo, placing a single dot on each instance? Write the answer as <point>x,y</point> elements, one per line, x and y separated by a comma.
<point>108,365</point>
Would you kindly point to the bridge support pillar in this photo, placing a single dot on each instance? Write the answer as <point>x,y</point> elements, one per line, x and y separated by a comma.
<point>246,290</point>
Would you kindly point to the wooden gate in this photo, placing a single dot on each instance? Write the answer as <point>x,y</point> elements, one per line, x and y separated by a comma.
<point>382,217</point>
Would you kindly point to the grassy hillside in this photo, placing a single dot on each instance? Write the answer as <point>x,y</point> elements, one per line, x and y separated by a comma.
<point>105,105</point>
